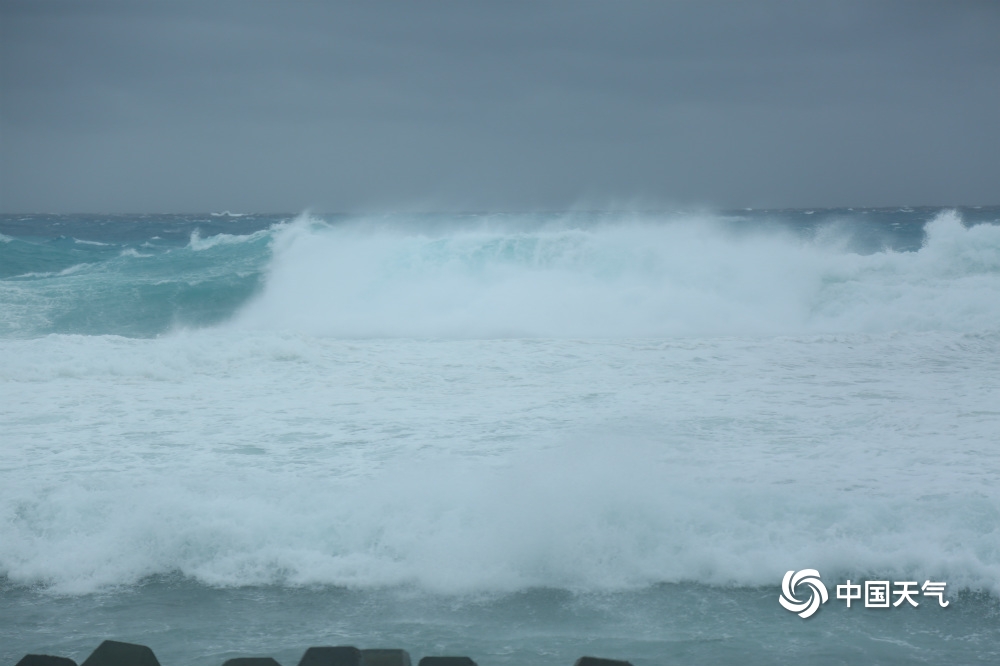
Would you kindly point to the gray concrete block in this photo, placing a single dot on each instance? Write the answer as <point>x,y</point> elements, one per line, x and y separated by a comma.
<point>251,661</point>
<point>45,660</point>
<point>113,653</point>
<point>597,661</point>
<point>343,655</point>
<point>447,661</point>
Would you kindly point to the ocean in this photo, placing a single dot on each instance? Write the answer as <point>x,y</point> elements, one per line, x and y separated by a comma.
<point>524,438</point>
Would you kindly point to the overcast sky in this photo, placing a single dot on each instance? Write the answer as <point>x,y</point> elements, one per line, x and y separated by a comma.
<point>281,106</point>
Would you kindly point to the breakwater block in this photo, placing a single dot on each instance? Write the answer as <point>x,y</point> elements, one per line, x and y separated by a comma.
<point>447,661</point>
<point>597,661</point>
<point>113,653</point>
<point>343,655</point>
<point>47,660</point>
<point>385,657</point>
<point>251,661</point>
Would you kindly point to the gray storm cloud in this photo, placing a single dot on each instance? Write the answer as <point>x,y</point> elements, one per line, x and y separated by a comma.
<point>114,106</point>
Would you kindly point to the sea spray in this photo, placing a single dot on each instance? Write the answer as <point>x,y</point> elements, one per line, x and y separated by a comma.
<point>634,278</point>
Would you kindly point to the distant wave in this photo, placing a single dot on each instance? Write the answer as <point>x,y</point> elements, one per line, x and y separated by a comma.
<point>198,243</point>
<point>44,274</point>
<point>135,254</point>
<point>634,279</point>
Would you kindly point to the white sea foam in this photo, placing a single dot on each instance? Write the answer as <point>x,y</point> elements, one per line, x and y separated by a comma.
<point>66,271</point>
<point>198,243</point>
<point>250,458</point>
<point>135,254</point>
<point>640,278</point>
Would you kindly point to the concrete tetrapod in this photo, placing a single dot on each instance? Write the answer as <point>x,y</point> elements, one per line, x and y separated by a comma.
<point>45,660</point>
<point>114,653</point>
<point>344,655</point>
<point>597,661</point>
<point>447,661</point>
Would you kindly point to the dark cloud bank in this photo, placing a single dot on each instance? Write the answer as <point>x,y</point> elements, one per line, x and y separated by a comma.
<point>268,106</point>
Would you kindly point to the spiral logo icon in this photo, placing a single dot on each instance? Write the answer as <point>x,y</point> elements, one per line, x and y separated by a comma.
<point>817,592</point>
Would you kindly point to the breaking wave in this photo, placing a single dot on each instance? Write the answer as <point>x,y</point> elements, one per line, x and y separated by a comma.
<point>632,279</point>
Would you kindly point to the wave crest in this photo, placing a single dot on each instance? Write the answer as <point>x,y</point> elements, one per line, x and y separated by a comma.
<point>633,279</point>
